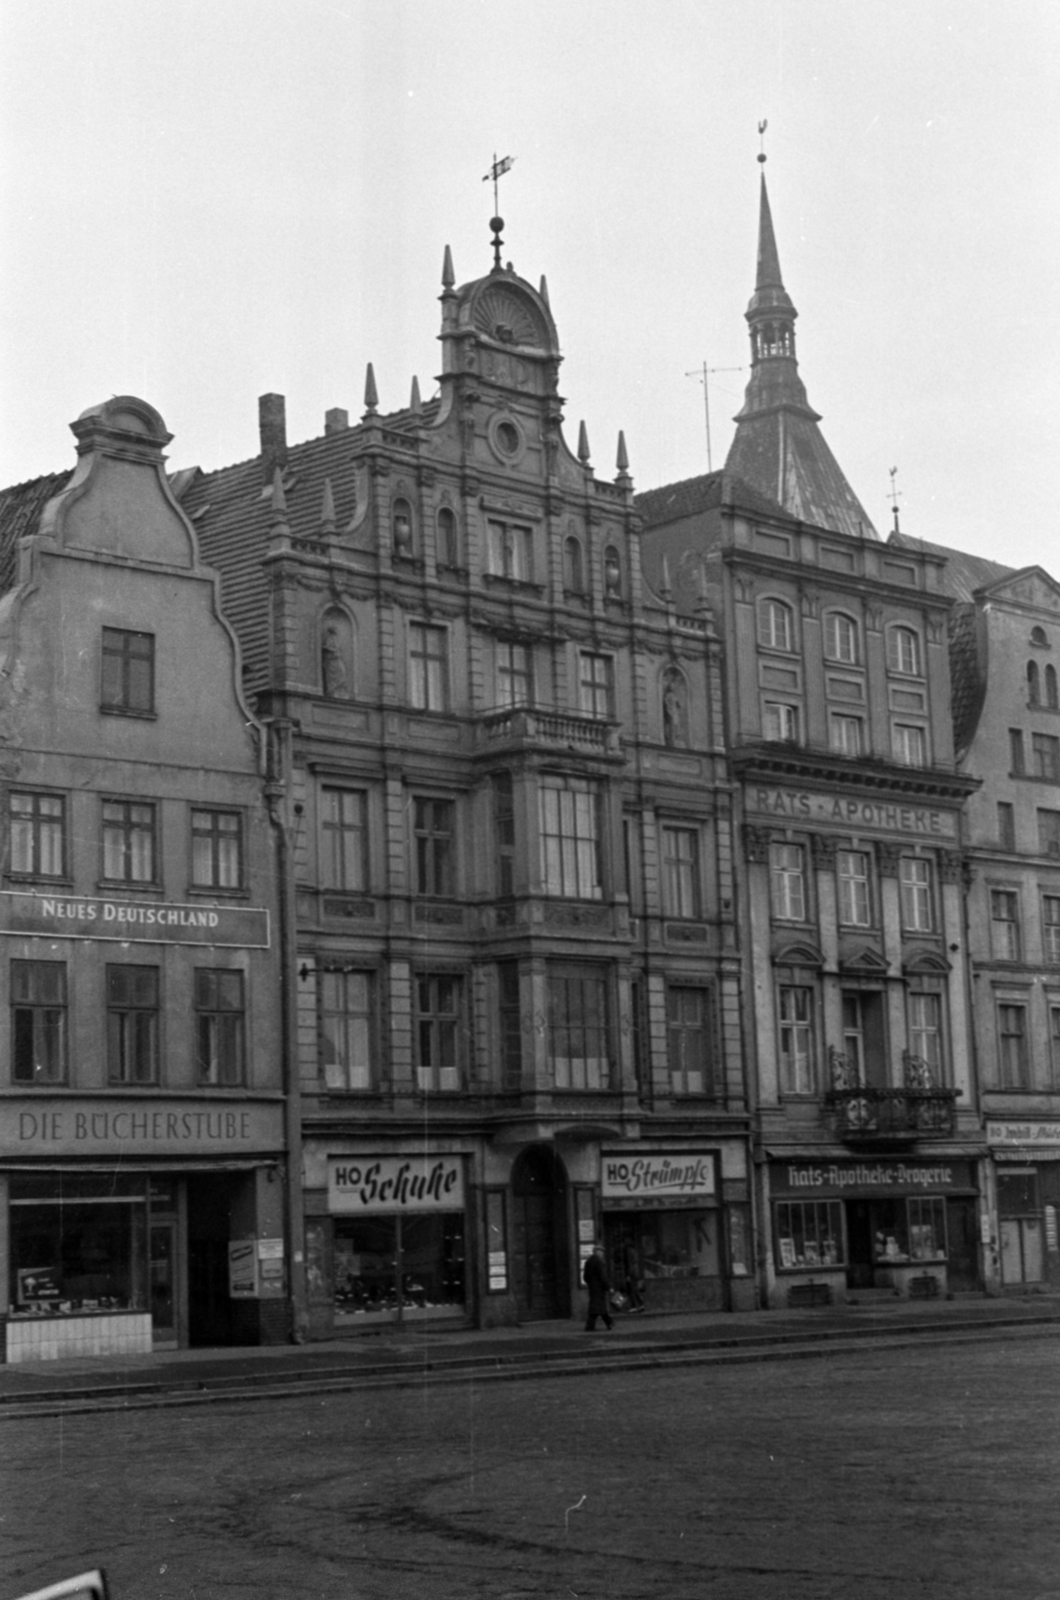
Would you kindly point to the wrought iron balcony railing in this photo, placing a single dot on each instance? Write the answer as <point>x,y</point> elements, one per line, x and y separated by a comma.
<point>865,1114</point>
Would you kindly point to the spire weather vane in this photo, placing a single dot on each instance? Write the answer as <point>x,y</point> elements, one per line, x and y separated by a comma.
<point>896,495</point>
<point>762,126</point>
<point>497,171</point>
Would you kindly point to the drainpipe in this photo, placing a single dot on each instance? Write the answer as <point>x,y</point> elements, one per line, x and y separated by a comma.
<point>275,790</point>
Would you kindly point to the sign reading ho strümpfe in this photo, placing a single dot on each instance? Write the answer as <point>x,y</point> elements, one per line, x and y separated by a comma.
<point>1000,1134</point>
<point>829,1178</point>
<point>121,1126</point>
<point>366,1184</point>
<point>924,822</point>
<point>133,921</point>
<point>655,1178</point>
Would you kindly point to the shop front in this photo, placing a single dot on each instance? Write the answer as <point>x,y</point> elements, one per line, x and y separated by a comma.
<point>669,1242</point>
<point>840,1227</point>
<point>124,1240</point>
<point>392,1247</point>
<point>1026,1169</point>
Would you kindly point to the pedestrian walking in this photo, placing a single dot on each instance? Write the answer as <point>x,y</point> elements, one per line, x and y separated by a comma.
<point>599,1287</point>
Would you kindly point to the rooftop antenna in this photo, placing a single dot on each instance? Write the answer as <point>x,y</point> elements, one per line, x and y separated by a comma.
<point>703,373</point>
<point>498,169</point>
<point>896,495</point>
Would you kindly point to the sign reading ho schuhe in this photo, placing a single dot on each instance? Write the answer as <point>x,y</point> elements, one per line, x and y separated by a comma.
<point>653,1179</point>
<point>133,921</point>
<point>395,1183</point>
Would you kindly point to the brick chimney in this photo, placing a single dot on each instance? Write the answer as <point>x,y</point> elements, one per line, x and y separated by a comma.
<point>336,420</point>
<point>272,427</point>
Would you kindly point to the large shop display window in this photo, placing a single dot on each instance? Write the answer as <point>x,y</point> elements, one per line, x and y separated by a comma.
<point>810,1234</point>
<point>653,1246</point>
<point>410,1265</point>
<point>79,1244</point>
<point>912,1229</point>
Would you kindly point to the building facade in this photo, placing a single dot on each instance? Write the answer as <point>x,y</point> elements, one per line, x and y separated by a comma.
<point>512,866</point>
<point>142,1123</point>
<point>869,1152</point>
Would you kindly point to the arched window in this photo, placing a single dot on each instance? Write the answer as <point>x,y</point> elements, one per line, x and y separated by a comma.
<point>1050,689</point>
<point>573,571</point>
<point>447,553</point>
<point>1038,638</point>
<point>775,629</point>
<point>903,651</point>
<point>402,525</point>
<point>612,574</point>
<point>1034,696</point>
<point>840,637</point>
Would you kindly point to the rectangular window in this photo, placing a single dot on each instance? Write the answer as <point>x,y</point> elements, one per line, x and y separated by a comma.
<point>578,1035</point>
<point>1012,1047</point>
<point>438,1006</point>
<point>1045,756</point>
<point>1006,825</point>
<point>570,838</point>
<point>845,734</point>
<point>128,841</point>
<point>789,882</point>
<point>513,674</point>
<point>38,1021</point>
<point>780,721</point>
<point>217,849</point>
<point>132,1024</point>
<point>596,685</point>
<point>916,894</point>
<point>909,744</point>
<point>511,1032</point>
<point>809,1234</point>
<point>1016,759</point>
<point>38,833</point>
<point>1005,924</point>
<point>854,1036</point>
<point>1051,928</point>
<point>1048,832</point>
<point>345,1029</point>
<point>688,1039</point>
<point>428,667</point>
<point>855,901</point>
<point>509,547</point>
<point>434,844</point>
<point>925,1031</point>
<point>680,874</point>
<point>343,839</point>
<point>128,679</point>
<point>219,1031</point>
<point>796,1040</point>
<point>1054,1043</point>
<point>504,834</point>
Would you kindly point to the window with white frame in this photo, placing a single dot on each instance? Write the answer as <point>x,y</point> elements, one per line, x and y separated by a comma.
<point>903,651</point>
<point>845,734</point>
<point>438,1026</point>
<point>680,875</point>
<point>795,1005</point>
<point>688,1040</point>
<point>909,744</point>
<point>570,838</point>
<point>513,674</point>
<point>596,685</point>
<point>776,628</point>
<point>788,875</point>
<point>854,883</point>
<point>428,667</point>
<point>509,547</point>
<point>578,1032</point>
<point>916,885</point>
<point>1013,1058</point>
<point>1051,928</point>
<point>128,841</point>
<point>780,721</point>
<point>345,1000</point>
<point>1005,924</point>
<point>840,638</point>
<point>924,1018</point>
<point>38,834</point>
<point>216,849</point>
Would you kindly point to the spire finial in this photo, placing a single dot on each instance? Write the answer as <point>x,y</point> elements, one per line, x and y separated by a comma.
<point>497,171</point>
<point>583,444</point>
<point>415,404</point>
<point>622,459</point>
<point>448,275</point>
<point>896,495</point>
<point>762,126</point>
<point>371,393</point>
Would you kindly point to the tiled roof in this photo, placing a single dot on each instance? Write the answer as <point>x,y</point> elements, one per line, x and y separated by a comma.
<point>963,574</point>
<point>692,496</point>
<point>967,674</point>
<point>20,509</point>
<point>783,449</point>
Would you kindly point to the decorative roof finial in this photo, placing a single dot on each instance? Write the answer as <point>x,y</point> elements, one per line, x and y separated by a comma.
<point>498,169</point>
<point>896,495</point>
<point>371,393</point>
<point>415,404</point>
<point>583,444</point>
<point>762,126</point>
<point>448,275</point>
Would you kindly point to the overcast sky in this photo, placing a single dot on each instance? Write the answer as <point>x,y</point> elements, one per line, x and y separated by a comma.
<point>205,200</point>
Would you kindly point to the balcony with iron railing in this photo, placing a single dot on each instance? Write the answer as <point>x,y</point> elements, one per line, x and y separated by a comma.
<point>534,726</point>
<point>868,1116</point>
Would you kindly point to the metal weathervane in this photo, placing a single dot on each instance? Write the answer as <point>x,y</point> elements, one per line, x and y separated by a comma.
<point>496,172</point>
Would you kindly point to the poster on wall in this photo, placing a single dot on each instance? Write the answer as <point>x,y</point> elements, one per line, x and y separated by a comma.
<point>242,1269</point>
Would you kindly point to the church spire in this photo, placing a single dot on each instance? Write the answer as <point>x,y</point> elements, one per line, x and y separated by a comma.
<point>778,447</point>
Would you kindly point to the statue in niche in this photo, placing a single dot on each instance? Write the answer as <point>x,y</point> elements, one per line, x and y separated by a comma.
<point>675,711</point>
<point>333,662</point>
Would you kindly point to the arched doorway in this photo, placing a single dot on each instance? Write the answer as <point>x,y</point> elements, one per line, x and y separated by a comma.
<point>539,1234</point>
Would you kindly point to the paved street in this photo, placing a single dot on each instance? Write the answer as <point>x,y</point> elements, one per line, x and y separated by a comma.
<point>868,1476</point>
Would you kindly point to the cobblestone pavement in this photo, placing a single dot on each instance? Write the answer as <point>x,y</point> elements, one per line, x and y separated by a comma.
<point>874,1475</point>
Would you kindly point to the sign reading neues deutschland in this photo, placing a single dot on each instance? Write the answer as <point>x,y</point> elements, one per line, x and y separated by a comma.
<point>656,1180</point>
<point>133,921</point>
<point>377,1184</point>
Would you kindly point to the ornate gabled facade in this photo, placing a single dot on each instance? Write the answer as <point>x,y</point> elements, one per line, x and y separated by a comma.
<point>143,1135</point>
<point>1005,641</point>
<point>510,835</point>
<point>841,750</point>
